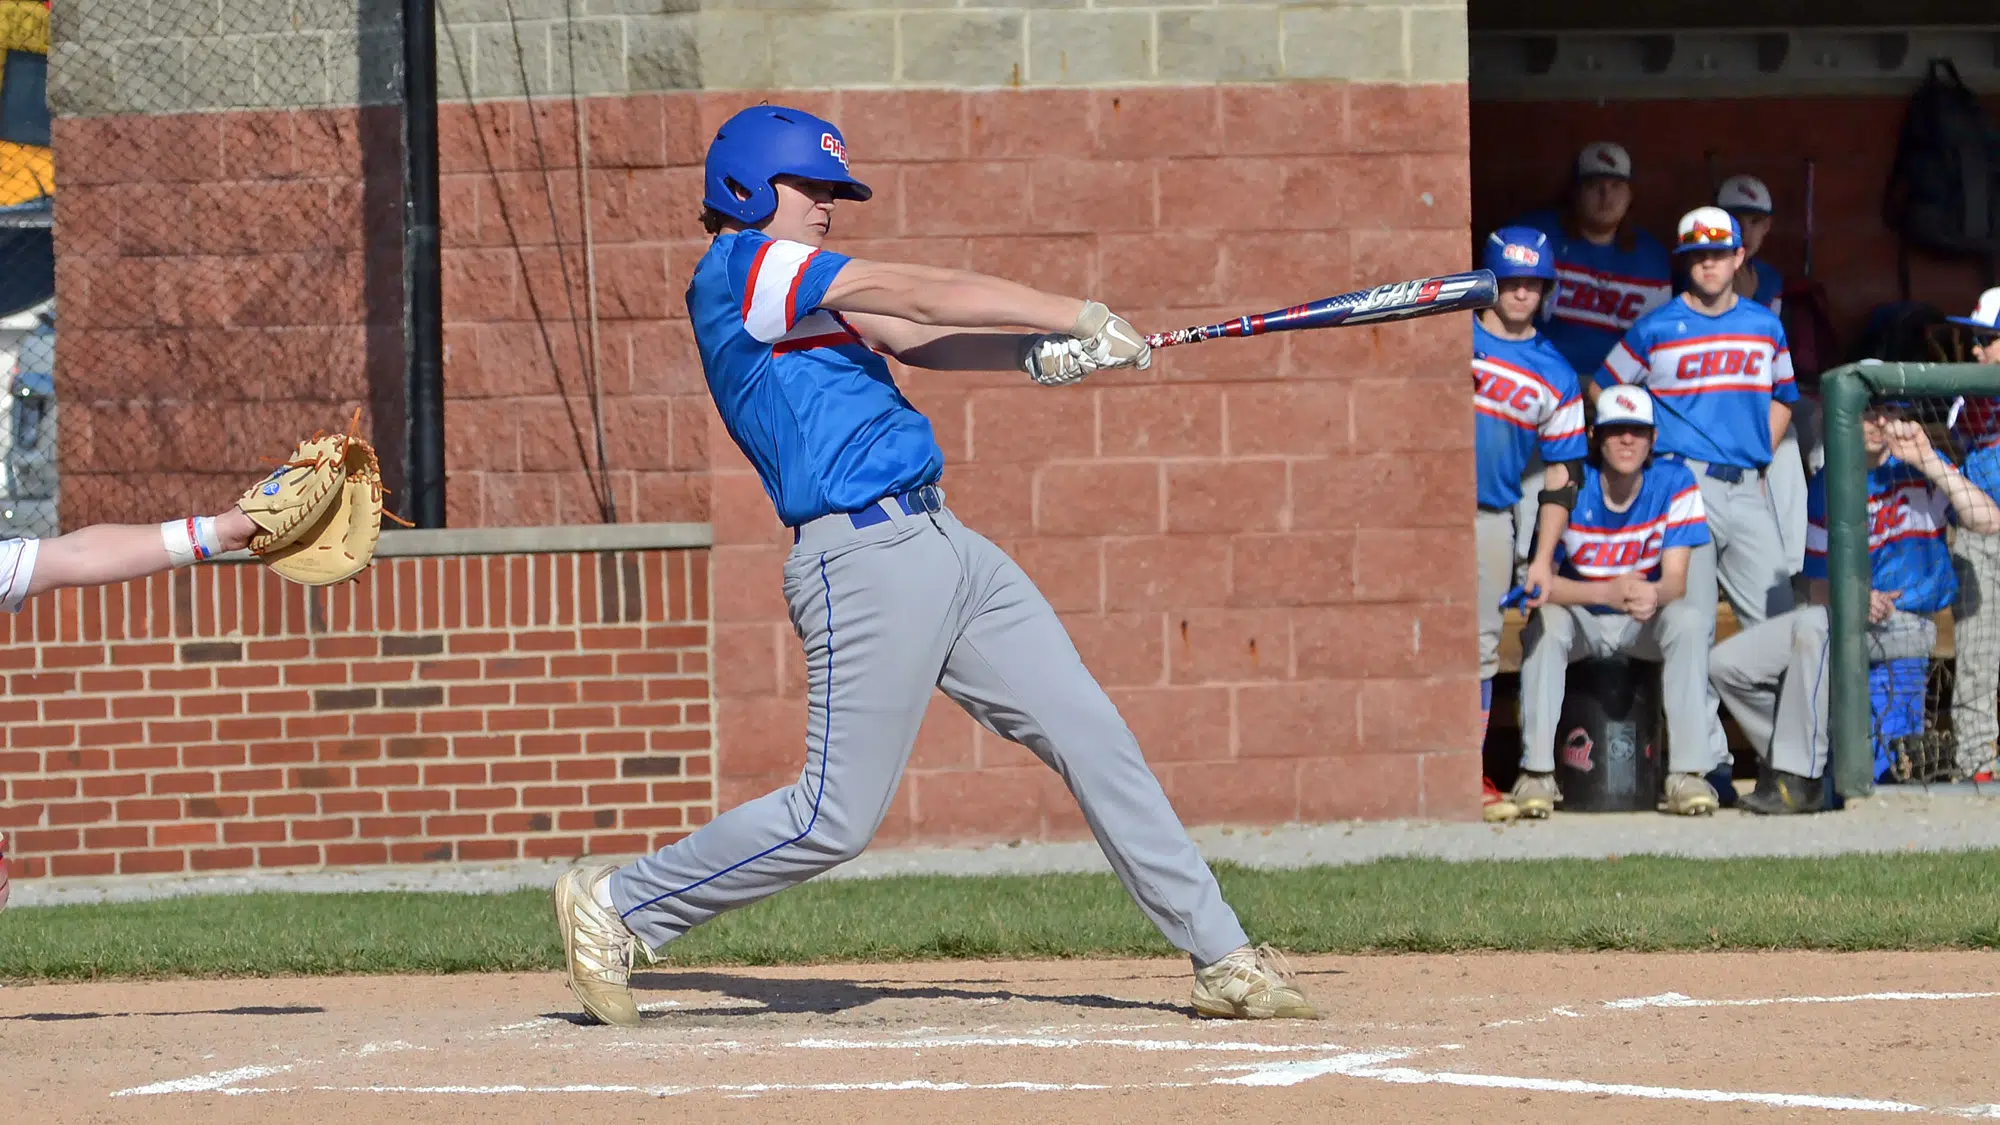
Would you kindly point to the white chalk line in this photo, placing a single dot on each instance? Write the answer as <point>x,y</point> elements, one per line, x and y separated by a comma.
<point>203,1083</point>
<point>731,1089</point>
<point>1677,1000</point>
<point>1368,1065</point>
<point>1681,1000</point>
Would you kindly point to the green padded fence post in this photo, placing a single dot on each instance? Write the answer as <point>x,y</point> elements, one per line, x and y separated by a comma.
<point>1844,394</point>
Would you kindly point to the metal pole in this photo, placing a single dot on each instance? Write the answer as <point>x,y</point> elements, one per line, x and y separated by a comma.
<point>423,287</point>
<point>1845,394</point>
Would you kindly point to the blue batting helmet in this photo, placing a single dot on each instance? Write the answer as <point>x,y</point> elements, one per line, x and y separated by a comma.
<point>766,141</point>
<point>1519,252</point>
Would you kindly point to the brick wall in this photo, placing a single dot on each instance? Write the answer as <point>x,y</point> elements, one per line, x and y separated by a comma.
<point>482,708</point>
<point>1261,547</point>
<point>1522,151</point>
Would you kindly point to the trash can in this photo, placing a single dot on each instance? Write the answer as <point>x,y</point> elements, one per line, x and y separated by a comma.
<point>1609,754</point>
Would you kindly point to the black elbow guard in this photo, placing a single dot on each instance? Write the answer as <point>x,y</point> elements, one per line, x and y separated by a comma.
<point>1565,496</point>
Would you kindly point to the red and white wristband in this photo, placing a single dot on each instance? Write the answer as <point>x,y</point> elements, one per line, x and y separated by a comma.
<point>190,540</point>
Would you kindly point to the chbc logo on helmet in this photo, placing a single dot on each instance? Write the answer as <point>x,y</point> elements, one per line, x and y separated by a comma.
<point>1521,255</point>
<point>830,143</point>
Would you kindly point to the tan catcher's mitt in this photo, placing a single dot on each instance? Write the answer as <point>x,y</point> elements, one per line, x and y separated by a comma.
<point>319,515</point>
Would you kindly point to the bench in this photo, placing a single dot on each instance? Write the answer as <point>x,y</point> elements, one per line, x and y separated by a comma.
<point>1726,626</point>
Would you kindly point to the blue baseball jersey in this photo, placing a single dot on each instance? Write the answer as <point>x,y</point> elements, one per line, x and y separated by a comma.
<point>1770,284</point>
<point>1601,291</point>
<point>1600,544</point>
<point>1907,515</point>
<point>1524,396</point>
<point>812,407</point>
<point>1712,379</point>
<point>1982,467</point>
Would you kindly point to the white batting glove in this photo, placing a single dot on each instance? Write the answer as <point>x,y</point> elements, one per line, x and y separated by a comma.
<point>1055,361</point>
<point>1109,340</point>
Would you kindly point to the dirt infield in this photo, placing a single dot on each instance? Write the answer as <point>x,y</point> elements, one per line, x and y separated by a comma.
<point>1650,1038</point>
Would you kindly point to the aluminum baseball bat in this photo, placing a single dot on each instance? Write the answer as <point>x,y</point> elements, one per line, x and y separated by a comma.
<point>1401,300</point>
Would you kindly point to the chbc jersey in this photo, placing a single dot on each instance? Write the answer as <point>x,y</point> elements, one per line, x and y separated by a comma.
<point>1601,544</point>
<point>17,566</point>
<point>1907,516</point>
<point>1523,395</point>
<point>1712,379</point>
<point>1601,291</point>
<point>814,409</point>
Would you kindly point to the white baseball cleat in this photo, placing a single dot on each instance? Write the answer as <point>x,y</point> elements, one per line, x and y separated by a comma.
<point>1250,984</point>
<point>597,948</point>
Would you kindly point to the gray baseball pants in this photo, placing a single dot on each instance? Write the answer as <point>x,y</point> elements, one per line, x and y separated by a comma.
<point>1495,533</point>
<point>1773,677</point>
<point>887,613</point>
<point>1976,635</point>
<point>1753,565</point>
<point>1678,637</point>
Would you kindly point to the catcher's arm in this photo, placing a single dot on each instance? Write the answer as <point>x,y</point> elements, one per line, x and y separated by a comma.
<point>109,552</point>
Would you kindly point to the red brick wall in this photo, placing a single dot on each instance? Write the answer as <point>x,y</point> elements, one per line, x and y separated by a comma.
<point>472,709</point>
<point>1262,548</point>
<point>1522,152</point>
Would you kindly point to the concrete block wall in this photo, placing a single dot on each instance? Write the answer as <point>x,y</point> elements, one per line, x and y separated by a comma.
<point>1262,548</point>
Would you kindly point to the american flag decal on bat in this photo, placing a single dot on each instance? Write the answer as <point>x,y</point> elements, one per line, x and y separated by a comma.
<point>1400,300</point>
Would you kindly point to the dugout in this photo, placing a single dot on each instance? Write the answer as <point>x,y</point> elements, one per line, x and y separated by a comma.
<point>1699,90</point>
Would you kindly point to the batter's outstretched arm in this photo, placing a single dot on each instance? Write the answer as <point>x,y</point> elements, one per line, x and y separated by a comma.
<point>928,295</point>
<point>108,552</point>
<point>938,348</point>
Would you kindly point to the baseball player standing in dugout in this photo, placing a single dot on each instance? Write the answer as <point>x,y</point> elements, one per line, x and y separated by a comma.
<point>1774,676</point>
<point>1622,567</point>
<point>890,594</point>
<point>1976,634</point>
<point>1526,400</point>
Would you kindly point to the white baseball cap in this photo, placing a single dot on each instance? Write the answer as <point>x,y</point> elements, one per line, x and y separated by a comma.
<point>1708,228</point>
<point>1603,158</point>
<point>1625,406</point>
<point>1744,193</point>
<point>1985,315</point>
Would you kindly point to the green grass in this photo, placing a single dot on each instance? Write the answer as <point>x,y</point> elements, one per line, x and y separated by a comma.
<point>1909,901</point>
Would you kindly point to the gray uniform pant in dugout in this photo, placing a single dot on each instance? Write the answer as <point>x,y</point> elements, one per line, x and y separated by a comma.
<point>1976,634</point>
<point>1678,636</point>
<point>1773,677</point>
<point>887,613</point>
<point>1496,576</point>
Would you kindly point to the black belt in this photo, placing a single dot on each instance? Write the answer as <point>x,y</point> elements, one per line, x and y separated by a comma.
<point>1496,511</point>
<point>1733,474</point>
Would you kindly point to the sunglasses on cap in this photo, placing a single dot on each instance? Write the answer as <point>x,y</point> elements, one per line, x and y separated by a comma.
<point>1701,234</point>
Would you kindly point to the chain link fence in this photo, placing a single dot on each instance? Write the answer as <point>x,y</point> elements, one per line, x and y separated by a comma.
<point>224,180</point>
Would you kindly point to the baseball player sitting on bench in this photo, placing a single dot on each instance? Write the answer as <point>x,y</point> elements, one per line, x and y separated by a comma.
<point>1621,576</point>
<point>891,595</point>
<point>1525,400</point>
<point>1773,676</point>
<point>105,553</point>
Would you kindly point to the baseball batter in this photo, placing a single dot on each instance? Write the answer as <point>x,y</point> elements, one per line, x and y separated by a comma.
<point>1773,676</point>
<point>890,594</point>
<point>1608,274</point>
<point>107,553</point>
<point>1635,545</point>
<point>1977,634</point>
<point>1526,400</point>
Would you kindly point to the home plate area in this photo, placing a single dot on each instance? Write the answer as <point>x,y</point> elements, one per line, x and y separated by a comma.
<point>1509,1037</point>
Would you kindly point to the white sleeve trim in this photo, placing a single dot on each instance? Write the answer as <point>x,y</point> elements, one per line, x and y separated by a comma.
<point>774,282</point>
<point>17,567</point>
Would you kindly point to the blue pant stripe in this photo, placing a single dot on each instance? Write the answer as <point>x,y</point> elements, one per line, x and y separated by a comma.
<point>825,747</point>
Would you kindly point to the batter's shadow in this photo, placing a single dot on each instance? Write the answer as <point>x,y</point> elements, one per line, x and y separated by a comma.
<point>246,1010</point>
<point>819,996</point>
